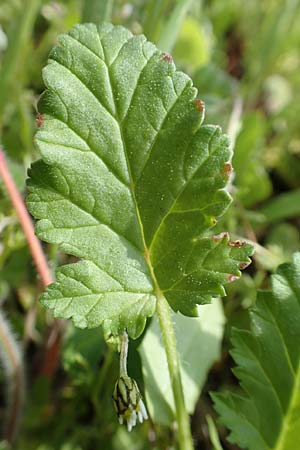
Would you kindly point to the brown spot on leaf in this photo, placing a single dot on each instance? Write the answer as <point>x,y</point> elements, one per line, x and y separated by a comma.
<point>236,243</point>
<point>167,57</point>
<point>200,105</point>
<point>243,265</point>
<point>227,169</point>
<point>39,120</point>
<point>219,237</point>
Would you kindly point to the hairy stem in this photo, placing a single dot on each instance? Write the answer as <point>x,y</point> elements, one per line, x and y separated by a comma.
<point>12,363</point>
<point>25,221</point>
<point>167,329</point>
<point>123,354</point>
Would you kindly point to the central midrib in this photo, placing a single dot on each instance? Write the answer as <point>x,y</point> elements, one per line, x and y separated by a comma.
<point>147,257</point>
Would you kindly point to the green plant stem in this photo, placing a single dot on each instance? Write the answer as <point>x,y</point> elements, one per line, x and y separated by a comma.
<point>123,354</point>
<point>167,329</point>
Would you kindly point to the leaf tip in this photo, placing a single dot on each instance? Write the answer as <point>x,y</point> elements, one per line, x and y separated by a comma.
<point>243,265</point>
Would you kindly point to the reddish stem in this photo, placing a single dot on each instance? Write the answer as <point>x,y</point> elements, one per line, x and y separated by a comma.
<point>26,223</point>
<point>50,354</point>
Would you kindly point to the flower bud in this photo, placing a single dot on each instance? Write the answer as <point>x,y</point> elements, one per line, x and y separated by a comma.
<point>128,402</point>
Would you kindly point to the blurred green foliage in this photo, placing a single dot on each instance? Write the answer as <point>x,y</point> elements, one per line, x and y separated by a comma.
<point>244,59</point>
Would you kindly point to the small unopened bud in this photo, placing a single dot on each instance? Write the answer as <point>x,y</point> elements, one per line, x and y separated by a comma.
<point>128,402</point>
<point>127,397</point>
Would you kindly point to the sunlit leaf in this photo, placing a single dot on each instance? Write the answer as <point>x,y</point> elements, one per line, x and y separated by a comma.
<point>129,182</point>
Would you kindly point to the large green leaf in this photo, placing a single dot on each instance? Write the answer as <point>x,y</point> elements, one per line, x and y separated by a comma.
<point>268,358</point>
<point>129,181</point>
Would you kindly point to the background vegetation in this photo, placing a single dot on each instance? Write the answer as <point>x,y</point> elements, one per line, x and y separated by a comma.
<point>244,59</point>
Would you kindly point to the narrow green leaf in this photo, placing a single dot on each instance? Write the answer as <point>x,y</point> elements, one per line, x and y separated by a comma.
<point>171,29</point>
<point>207,331</point>
<point>213,434</point>
<point>96,11</point>
<point>130,182</point>
<point>154,14</point>
<point>268,367</point>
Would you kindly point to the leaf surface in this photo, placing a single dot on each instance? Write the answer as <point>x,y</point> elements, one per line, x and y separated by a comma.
<point>129,182</point>
<point>267,417</point>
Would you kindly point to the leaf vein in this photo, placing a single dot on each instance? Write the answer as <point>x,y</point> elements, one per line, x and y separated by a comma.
<point>255,357</point>
<point>276,324</point>
<point>119,51</point>
<point>138,83</point>
<point>152,146</point>
<point>87,88</point>
<point>72,201</point>
<point>91,149</point>
<point>182,189</point>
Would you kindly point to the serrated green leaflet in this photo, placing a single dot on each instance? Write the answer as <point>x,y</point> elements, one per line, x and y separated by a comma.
<point>129,181</point>
<point>268,358</point>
